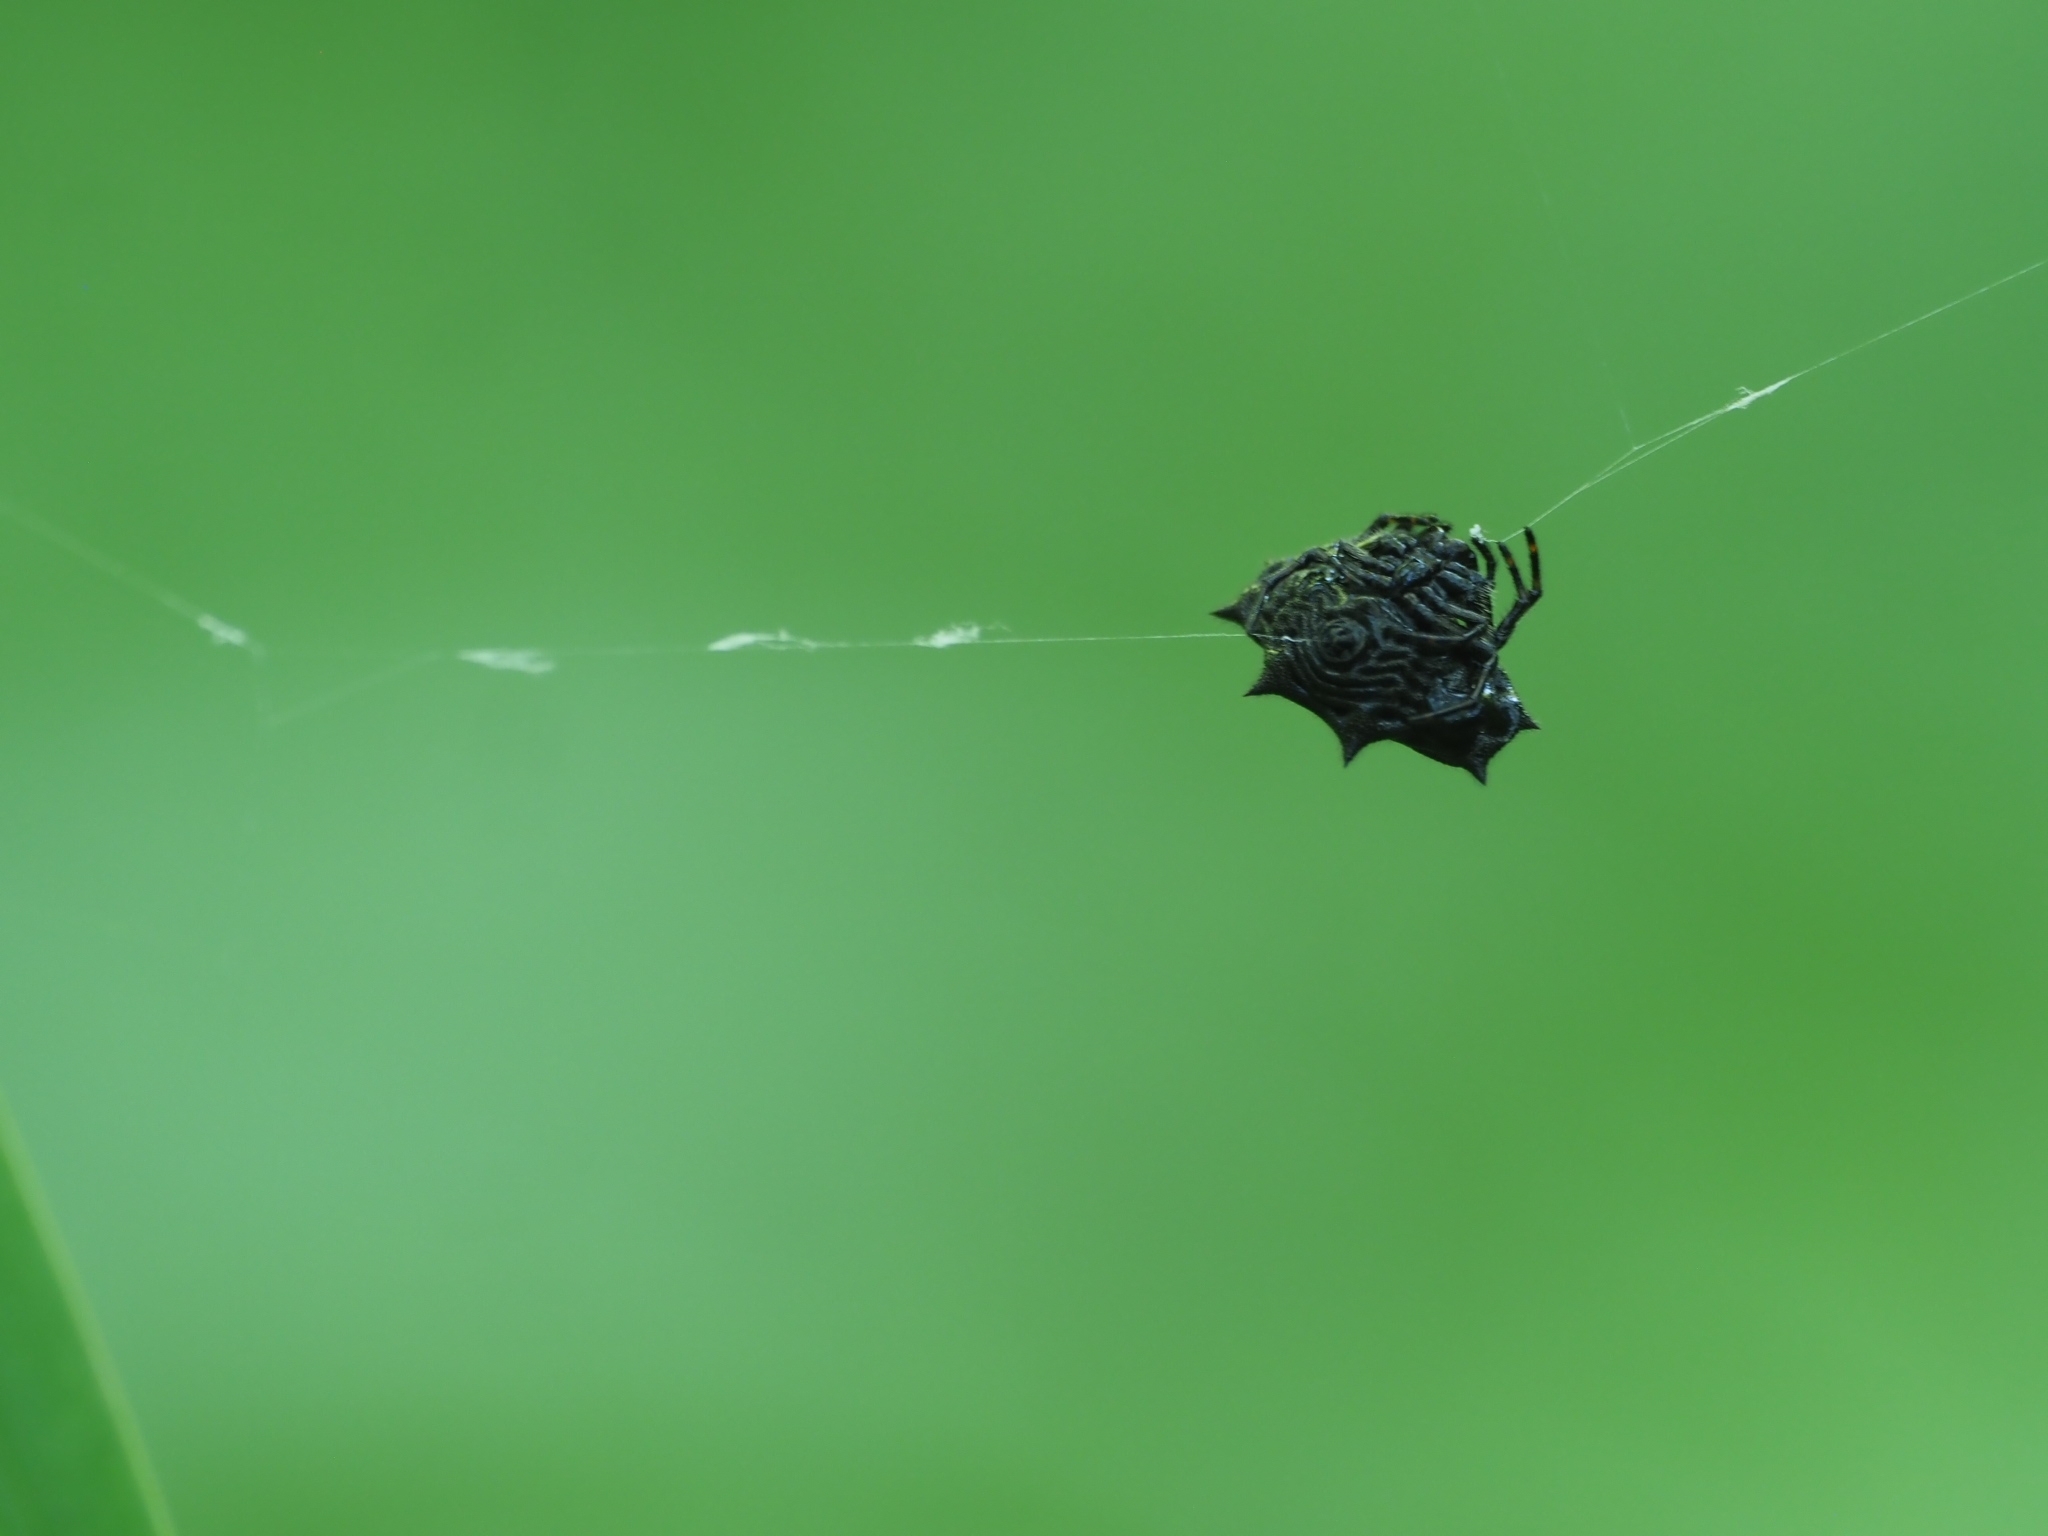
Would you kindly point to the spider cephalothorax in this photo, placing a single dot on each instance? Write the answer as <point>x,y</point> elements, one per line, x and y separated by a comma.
<point>1391,637</point>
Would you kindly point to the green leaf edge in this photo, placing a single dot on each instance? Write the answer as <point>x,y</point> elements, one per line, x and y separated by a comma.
<point>15,1168</point>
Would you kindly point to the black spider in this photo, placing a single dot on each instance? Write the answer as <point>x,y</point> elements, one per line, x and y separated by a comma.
<point>1392,638</point>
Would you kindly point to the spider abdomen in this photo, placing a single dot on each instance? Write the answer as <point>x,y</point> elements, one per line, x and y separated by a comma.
<point>1390,637</point>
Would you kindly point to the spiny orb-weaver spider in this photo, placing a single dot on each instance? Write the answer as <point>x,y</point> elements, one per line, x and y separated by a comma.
<point>1391,637</point>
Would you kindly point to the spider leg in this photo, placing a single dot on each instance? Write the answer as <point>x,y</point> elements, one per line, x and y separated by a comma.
<point>1527,594</point>
<point>1475,636</point>
<point>1384,629</point>
<point>1441,607</point>
<point>1280,570</point>
<point>1471,700</point>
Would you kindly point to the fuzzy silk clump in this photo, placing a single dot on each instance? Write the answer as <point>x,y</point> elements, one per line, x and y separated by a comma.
<point>1391,637</point>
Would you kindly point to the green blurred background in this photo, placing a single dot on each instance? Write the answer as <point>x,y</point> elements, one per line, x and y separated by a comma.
<point>1030,1090</point>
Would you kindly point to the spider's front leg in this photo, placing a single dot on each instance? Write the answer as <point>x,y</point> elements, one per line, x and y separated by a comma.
<point>1527,594</point>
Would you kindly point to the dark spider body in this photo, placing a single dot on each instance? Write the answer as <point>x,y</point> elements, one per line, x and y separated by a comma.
<point>1391,637</point>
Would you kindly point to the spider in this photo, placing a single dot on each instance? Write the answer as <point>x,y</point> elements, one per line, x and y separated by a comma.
<point>1391,637</point>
